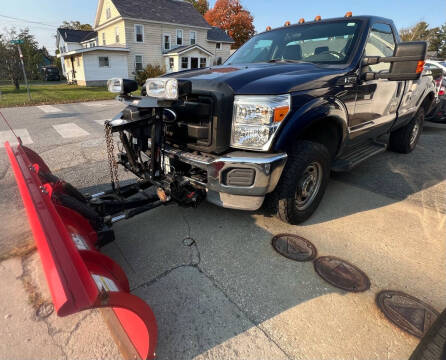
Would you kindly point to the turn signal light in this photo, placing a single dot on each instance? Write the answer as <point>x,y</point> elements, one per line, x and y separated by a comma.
<point>318,18</point>
<point>287,23</point>
<point>301,21</point>
<point>268,28</point>
<point>348,14</point>
<point>280,113</point>
<point>420,66</point>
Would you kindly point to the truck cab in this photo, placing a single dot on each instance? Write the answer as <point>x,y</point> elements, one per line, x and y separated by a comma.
<point>291,105</point>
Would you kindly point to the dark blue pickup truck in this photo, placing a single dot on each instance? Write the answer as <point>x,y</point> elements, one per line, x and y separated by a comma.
<point>291,105</point>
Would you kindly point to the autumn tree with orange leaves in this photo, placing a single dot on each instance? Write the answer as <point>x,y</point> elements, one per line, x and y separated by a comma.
<point>230,15</point>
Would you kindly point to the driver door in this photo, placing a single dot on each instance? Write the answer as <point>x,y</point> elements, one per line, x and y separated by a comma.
<point>377,100</point>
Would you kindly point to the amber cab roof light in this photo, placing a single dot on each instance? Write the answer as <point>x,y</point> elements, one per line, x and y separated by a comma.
<point>318,18</point>
<point>268,28</point>
<point>287,23</point>
<point>301,21</point>
<point>348,14</point>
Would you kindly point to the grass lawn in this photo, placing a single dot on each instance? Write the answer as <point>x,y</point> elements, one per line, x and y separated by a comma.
<point>51,94</point>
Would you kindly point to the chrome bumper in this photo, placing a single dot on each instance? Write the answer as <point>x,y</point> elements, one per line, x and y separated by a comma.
<point>267,171</point>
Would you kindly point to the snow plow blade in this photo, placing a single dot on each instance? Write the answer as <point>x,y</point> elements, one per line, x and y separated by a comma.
<point>78,275</point>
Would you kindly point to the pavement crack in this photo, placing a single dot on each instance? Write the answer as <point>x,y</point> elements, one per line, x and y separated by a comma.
<point>252,321</point>
<point>158,277</point>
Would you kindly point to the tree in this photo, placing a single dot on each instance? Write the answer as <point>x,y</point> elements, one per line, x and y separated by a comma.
<point>9,59</point>
<point>230,16</point>
<point>436,37</point>
<point>76,25</point>
<point>201,5</point>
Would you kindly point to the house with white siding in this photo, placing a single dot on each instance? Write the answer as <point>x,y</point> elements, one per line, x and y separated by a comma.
<point>131,34</point>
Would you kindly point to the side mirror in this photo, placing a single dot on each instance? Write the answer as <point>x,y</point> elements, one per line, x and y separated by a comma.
<point>407,62</point>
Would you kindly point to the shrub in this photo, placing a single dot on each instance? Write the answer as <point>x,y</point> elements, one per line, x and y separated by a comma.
<point>151,71</point>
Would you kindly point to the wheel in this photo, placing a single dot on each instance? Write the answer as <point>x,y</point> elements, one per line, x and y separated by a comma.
<point>405,139</point>
<point>303,182</point>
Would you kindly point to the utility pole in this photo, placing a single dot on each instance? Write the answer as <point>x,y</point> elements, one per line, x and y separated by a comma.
<point>18,42</point>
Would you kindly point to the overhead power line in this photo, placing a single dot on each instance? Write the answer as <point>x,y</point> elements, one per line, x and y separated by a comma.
<point>27,21</point>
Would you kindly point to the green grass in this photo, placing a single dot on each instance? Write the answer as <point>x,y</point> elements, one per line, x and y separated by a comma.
<point>51,94</point>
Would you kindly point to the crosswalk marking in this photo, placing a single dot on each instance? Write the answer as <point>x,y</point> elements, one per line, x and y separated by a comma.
<point>49,109</point>
<point>70,130</point>
<point>94,104</point>
<point>101,122</point>
<point>9,136</point>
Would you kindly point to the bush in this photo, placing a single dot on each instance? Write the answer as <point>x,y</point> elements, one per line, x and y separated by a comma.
<point>150,71</point>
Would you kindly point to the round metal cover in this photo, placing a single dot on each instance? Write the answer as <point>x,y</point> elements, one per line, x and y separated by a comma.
<point>294,247</point>
<point>341,274</point>
<point>407,312</point>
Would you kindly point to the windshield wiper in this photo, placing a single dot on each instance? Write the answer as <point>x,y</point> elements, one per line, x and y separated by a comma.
<point>286,61</point>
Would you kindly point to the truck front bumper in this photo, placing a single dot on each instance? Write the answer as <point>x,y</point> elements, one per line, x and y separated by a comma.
<point>237,180</point>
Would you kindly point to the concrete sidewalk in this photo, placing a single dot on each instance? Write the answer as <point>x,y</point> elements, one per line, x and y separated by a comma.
<point>29,329</point>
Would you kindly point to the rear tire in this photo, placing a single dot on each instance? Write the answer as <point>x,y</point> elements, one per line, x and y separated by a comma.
<point>303,182</point>
<point>405,139</point>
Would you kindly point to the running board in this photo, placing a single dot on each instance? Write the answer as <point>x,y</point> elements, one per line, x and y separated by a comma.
<point>357,156</point>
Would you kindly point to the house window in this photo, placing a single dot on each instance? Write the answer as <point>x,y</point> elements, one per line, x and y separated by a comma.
<point>193,37</point>
<point>104,61</point>
<point>139,33</point>
<point>166,42</point>
<point>138,63</point>
<point>103,39</point>
<point>171,63</point>
<point>202,62</point>
<point>108,13</point>
<point>218,46</point>
<point>117,35</point>
<point>179,37</point>
<point>219,61</point>
<point>185,63</point>
<point>78,59</point>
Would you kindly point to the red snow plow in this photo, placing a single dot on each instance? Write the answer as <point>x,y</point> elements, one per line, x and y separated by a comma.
<point>68,237</point>
<point>70,227</point>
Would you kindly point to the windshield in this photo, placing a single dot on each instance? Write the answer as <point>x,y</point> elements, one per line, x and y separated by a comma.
<point>443,63</point>
<point>330,43</point>
<point>52,70</point>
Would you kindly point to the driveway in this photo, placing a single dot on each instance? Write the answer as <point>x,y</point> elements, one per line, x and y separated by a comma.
<point>217,287</point>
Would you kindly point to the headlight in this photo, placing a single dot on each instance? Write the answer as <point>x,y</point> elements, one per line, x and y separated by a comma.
<point>162,88</point>
<point>256,120</point>
<point>122,86</point>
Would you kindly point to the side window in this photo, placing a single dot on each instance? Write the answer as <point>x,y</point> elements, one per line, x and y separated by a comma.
<point>381,42</point>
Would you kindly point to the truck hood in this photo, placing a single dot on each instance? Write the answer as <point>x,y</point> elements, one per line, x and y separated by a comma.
<point>263,78</point>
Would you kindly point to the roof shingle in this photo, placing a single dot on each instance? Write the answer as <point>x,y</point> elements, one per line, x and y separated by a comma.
<point>70,35</point>
<point>219,35</point>
<point>169,11</point>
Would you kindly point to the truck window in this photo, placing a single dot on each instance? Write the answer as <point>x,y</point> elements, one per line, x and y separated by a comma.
<point>322,43</point>
<point>381,42</point>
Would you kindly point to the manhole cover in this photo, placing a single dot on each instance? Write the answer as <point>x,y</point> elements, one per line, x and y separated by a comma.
<point>407,312</point>
<point>45,310</point>
<point>341,274</point>
<point>294,247</point>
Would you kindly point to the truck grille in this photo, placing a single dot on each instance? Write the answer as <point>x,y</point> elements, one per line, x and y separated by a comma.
<point>203,122</point>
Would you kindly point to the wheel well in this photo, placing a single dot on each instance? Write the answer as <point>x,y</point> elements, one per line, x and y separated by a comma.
<point>326,132</point>
<point>427,102</point>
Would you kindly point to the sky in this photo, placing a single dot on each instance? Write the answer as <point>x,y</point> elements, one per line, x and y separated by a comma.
<point>273,13</point>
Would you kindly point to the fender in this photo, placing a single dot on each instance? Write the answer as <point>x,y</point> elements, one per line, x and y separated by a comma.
<point>311,112</point>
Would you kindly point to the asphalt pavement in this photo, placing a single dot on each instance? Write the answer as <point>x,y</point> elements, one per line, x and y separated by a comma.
<point>217,287</point>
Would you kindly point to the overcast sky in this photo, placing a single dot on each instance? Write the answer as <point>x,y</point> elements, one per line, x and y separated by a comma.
<point>274,13</point>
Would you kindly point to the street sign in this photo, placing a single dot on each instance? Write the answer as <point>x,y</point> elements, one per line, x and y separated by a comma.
<point>16,42</point>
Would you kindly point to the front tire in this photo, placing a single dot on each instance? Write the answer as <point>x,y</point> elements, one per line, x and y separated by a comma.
<point>405,139</point>
<point>303,182</point>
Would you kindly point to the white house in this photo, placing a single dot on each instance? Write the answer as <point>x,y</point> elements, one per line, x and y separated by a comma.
<point>129,35</point>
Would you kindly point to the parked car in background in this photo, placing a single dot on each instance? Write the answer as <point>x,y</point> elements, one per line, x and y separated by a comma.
<point>436,64</point>
<point>51,73</point>
<point>438,112</point>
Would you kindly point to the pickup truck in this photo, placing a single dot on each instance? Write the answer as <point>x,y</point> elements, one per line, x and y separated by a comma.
<point>291,105</point>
